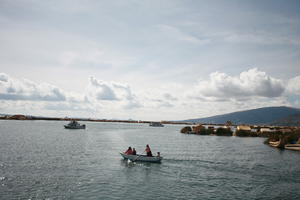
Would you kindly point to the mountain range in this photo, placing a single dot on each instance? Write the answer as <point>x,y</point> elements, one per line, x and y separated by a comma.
<point>267,115</point>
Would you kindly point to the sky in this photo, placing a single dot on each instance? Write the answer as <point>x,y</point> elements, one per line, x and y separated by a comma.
<point>148,60</point>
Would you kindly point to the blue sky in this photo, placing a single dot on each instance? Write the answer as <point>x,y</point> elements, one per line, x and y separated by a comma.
<point>149,60</point>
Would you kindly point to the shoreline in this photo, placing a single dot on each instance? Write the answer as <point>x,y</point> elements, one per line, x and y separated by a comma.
<point>25,118</point>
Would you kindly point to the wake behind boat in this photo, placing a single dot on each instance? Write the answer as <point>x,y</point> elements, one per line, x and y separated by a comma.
<point>74,125</point>
<point>142,158</point>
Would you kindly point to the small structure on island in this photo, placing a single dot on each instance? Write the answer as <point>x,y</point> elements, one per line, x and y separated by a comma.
<point>244,131</point>
<point>243,128</point>
<point>265,130</point>
<point>199,129</point>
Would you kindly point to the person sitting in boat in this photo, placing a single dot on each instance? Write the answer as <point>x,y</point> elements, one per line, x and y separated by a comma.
<point>129,151</point>
<point>158,154</point>
<point>74,122</point>
<point>148,150</point>
<point>133,151</point>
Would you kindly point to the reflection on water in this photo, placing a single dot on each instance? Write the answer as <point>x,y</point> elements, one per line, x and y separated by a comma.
<point>42,160</point>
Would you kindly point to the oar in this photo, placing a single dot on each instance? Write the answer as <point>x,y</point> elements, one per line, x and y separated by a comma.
<point>138,156</point>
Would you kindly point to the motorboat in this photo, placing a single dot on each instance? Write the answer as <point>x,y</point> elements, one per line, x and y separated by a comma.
<point>156,124</point>
<point>74,125</point>
<point>142,158</point>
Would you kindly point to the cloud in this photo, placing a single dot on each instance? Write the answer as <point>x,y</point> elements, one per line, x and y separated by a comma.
<point>3,77</point>
<point>107,99</point>
<point>293,86</point>
<point>170,97</point>
<point>26,90</point>
<point>97,95</point>
<point>251,83</point>
<point>104,92</point>
<point>100,90</point>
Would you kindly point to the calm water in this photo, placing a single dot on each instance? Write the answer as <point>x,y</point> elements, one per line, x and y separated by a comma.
<point>42,160</point>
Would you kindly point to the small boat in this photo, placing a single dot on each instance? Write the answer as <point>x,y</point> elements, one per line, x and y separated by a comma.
<point>292,147</point>
<point>74,125</point>
<point>274,144</point>
<point>142,158</point>
<point>156,124</point>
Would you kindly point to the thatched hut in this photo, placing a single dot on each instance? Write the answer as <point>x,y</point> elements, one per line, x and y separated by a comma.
<point>245,131</point>
<point>243,128</point>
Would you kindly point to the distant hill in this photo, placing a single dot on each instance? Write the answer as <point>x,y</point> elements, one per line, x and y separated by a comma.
<point>266,115</point>
<point>291,120</point>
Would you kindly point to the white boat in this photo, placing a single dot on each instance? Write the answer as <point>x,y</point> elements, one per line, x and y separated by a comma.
<point>292,147</point>
<point>156,124</point>
<point>74,125</point>
<point>142,158</point>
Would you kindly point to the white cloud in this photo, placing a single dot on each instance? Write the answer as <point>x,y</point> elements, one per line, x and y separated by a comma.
<point>170,97</point>
<point>105,92</point>
<point>23,89</point>
<point>293,86</point>
<point>251,83</point>
<point>99,90</point>
<point>219,94</point>
<point>3,77</point>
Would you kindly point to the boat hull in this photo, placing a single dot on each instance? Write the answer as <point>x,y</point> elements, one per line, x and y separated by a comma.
<point>295,147</point>
<point>75,127</point>
<point>274,144</point>
<point>142,158</point>
<point>156,124</point>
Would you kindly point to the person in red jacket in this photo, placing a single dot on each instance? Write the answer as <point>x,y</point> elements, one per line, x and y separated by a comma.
<point>148,150</point>
<point>129,151</point>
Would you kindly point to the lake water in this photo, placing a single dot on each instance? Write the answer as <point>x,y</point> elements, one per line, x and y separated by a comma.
<point>42,160</point>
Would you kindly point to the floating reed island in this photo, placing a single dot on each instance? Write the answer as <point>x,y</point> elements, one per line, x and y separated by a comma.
<point>280,137</point>
<point>209,130</point>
